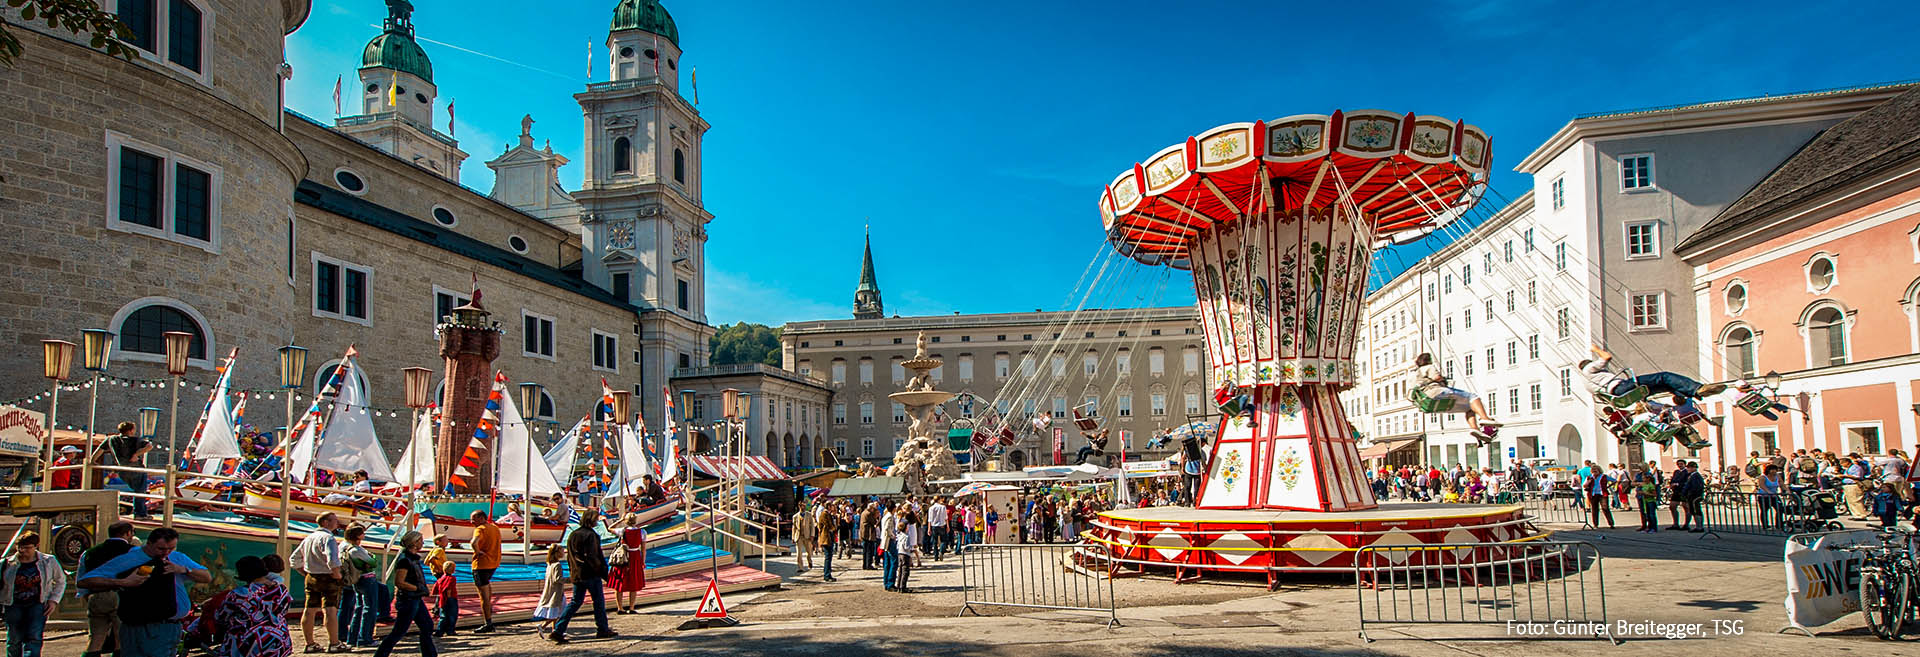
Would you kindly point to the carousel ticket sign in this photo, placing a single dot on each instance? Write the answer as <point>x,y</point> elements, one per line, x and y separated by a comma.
<point>22,432</point>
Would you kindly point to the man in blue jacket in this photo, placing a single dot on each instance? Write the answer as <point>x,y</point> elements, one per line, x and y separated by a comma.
<point>152,582</point>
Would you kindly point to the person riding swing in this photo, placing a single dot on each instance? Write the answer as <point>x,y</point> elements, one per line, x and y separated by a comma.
<point>1623,390</point>
<point>1433,395</point>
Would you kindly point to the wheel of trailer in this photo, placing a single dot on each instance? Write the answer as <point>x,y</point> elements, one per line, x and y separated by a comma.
<point>69,542</point>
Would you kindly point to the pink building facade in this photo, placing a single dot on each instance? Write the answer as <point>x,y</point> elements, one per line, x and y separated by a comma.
<point>1813,277</point>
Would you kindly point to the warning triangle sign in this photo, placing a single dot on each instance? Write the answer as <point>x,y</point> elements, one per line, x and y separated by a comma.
<point>710,604</point>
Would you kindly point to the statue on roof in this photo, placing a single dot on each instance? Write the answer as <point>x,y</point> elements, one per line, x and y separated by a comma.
<point>400,15</point>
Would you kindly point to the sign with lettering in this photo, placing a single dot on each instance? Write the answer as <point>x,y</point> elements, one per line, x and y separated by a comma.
<point>22,432</point>
<point>1823,583</point>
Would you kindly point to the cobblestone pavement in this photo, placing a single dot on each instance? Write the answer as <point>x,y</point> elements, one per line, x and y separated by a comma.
<point>1670,577</point>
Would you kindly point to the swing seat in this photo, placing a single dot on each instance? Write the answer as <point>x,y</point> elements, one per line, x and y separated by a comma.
<point>1693,440</point>
<point>1754,403</point>
<point>1429,404</point>
<point>1623,400</point>
<point>1652,433</point>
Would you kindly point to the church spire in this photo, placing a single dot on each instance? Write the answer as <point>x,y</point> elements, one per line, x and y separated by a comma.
<point>866,298</point>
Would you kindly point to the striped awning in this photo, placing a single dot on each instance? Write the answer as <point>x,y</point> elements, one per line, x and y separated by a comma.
<point>753,468</point>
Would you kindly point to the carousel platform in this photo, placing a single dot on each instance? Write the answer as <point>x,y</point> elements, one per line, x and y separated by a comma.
<point>1193,542</point>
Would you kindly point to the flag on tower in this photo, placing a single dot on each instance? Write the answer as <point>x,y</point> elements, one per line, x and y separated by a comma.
<point>393,92</point>
<point>336,96</point>
<point>655,55</point>
<point>693,76</point>
<point>589,60</point>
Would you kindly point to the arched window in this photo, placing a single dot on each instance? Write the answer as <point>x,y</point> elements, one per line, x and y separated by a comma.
<point>1826,330</point>
<point>679,166</point>
<point>1740,349</point>
<point>358,379</point>
<point>622,155</point>
<point>140,332</point>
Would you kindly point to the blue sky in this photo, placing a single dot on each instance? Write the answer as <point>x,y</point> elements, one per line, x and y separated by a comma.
<point>974,137</point>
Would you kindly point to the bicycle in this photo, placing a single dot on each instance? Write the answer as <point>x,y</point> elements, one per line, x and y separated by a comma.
<point>1889,585</point>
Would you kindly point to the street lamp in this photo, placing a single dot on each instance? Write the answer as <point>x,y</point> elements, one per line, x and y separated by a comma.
<point>293,376</point>
<point>57,365</point>
<point>178,344</point>
<point>1773,379</point>
<point>149,423</point>
<point>96,345</point>
<point>419,393</point>
<point>743,407</point>
<point>530,394</point>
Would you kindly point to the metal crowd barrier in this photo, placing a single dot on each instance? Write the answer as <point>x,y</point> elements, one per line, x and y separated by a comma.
<point>1035,576</point>
<point>1784,514</point>
<point>1555,506</point>
<point>1542,589</point>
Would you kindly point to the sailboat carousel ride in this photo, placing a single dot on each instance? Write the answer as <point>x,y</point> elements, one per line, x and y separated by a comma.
<point>238,491</point>
<point>1278,222</point>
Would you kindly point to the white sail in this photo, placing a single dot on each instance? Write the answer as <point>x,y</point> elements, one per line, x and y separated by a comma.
<point>349,443</point>
<point>560,457</point>
<point>300,460</point>
<point>633,460</point>
<point>216,426</point>
<point>519,470</point>
<point>409,471</point>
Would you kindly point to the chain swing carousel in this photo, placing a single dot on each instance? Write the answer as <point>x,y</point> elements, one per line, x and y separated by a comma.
<point>1278,221</point>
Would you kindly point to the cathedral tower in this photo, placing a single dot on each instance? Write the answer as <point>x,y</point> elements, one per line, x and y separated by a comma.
<point>866,298</point>
<point>396,94</point>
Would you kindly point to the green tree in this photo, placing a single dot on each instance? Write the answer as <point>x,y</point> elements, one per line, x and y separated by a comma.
<point>746,343</point>
<point>77,16</point>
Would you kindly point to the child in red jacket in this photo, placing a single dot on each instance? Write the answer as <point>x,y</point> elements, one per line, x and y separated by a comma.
<point>447,593</point>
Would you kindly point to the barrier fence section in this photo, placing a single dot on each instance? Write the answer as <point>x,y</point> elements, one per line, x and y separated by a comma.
<point>1556,506</point>
<point>1783,514</point>
<point>1542,589</point>
<point>1036,576</point>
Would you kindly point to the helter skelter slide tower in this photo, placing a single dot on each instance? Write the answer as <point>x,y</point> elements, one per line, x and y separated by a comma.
<point>1278,221</point>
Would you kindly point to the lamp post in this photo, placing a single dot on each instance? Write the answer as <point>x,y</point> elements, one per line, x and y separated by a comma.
<point>96,345</point>
<point>530,395</point>
<point>622,409</point>
<point>178,343</point>
<point>293,376</point>
<point>149,424</point>
<point>57,365</point>
<point>743,409</point>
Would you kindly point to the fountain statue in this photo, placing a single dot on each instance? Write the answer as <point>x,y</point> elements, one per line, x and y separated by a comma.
<point>924,456</point>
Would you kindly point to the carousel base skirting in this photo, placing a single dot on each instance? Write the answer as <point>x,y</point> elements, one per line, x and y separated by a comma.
<point>1192,542</point>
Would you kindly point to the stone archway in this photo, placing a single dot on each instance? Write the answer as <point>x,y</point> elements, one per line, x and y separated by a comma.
<point>807,450</point>
<point>789,452</point>
<point>1567,446</point>
<point>827,459</point>
<point>771,449</point>
<point>1017,459</point>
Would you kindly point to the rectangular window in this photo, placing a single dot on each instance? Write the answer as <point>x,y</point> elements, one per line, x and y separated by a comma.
<point>680,294</point>
<point>1193,403</point>
<point>1190,360</point>
<point>966,369</point>
<point>1533,395</point>
<point>183,34</point>
<point>1566,382</point>
<point>899,413</point>
<point>840,448</point>
<point>1560,257</point>
<point>161,194</point>
<point>1763,440</point>
<point>1467,363</point>
<point>839,412</point>
<point>1533,294</point>
<point>1156,361</point>
<point>341,290</point>
<point>444,303</point>
<point>1124,405</point>
<point>1508,248</point>
<point>897,372</point>
<point>1526,239</point>
<point>1510,301</point>
<point>1059,364</point>
<point>1647,310</point>
<point>1643,240</point>
<point>1466,274</point>
<point>1059,407</point>
<point>606,350</point>
<point>1466,319</point>
<point>1563,323</point>
<point>1533,347</point>
<point>1430,292</point>
<point>1092,404</point>
<point>839,372</point>
<point>1513,399</point>
<point>1513,353</point>
<point>536,337</point>
<point>1448,321</point>
<point>623,286</point>
<point>866,447</point>
<point>866,371</point>
<point>1002,366</point>
<point>1493,403</point>
<point>1636,172</point>
<point>1157,404</point>
<point>866,412</point>
<point>1123,363</point>
<point>1486,263</point>
<point>1450,368</point>
<point>1489,314</point>
<point>1491,361</point>
<point>1091,363</point>
<point>1448,287</point>
<point>140,17</point>
<point>1559,192</point>
<point>192,203</point>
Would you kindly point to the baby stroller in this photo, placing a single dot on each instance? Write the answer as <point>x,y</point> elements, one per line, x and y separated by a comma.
<point>1810,510</point>
<point>198,632</point>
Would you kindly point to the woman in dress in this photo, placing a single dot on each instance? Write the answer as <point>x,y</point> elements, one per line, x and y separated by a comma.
<point>629,562</point>
<point>553,593</point>
<point>254,616</point>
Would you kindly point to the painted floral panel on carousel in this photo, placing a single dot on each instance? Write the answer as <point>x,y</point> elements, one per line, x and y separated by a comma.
<point>1294,476</point>
<point>1278,295</point>
<point>1228,483</point>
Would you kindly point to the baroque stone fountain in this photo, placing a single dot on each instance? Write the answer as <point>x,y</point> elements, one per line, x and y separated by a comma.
<point>924,456</point>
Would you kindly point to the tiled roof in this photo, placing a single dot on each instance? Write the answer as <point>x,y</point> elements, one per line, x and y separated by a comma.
<point>1862,146</point>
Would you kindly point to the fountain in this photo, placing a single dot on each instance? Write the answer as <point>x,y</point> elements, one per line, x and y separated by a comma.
<point>923,457</point>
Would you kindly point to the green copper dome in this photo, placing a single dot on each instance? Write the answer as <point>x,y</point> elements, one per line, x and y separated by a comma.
<point>398,51</point>
<point>395,47</point>
<point>645,15</point>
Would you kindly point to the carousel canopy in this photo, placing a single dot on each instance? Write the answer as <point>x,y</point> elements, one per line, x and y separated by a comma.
<point>1404,174</point>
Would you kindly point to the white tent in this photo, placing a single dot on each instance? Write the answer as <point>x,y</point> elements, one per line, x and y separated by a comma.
<point>560,457</point>
<point>519,468</point>
<point>633,460</point>
<point>349,444</point>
